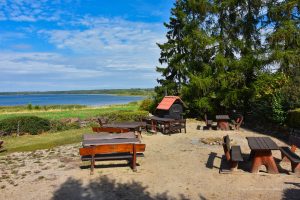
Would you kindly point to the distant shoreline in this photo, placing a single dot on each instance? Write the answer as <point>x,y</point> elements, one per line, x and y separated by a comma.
<point>119,92</point>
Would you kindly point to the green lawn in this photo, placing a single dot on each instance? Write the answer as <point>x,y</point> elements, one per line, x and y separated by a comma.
<point>43,141</point>
<point>81,113</point>
<point>50,140</point>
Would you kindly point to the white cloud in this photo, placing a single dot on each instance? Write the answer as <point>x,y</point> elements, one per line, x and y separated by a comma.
<point>115,43</point>
<point>43,64</point>
<point>29,10</point>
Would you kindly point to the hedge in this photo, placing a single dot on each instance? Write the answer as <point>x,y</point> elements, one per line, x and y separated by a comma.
<point>119,116</point>
<point>56,125</point>
<point>24,124</point>
<point>293,118</point>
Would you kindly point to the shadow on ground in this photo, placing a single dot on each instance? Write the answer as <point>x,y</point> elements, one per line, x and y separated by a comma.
<point>106,188</point>
<point>291,193</point>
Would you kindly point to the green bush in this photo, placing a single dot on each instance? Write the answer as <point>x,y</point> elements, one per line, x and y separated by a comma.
<point>147,105</point>
<point>24,124</point>
<point>270,109</point>
<point>293,118</point>
<point>57,125</point>
<point>29,106</point>
<point>119,116</point>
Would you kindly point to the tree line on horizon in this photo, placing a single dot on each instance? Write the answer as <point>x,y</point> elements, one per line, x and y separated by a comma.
<point>131,91</point>
<point>222,55</point>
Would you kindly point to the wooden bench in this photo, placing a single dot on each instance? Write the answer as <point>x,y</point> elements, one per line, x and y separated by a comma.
<point>236,123</point>
<point>289,153</point>
<point>112,152</point>
<point>233,154</point>
<point>110,130</point>
<point>176,125</point>
<point>208,122</point>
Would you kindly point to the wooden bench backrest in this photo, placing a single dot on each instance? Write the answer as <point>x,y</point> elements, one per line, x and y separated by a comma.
<point>226,147</point>
<point>110,130</point>
<point>111,148</point>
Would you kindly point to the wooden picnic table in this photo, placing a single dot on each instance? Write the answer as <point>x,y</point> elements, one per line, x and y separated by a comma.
<point>261,154</point>
<point>223,122</point>
<point>101,147</point>
<point>156,121</point>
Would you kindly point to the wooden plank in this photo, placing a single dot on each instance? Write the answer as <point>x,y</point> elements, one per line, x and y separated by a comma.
<point>127,125</point>
<point>110,129</point>
<point>236,153</point>
<point>262,143</point>
<point>104,136</point>
<point>111,148</point>
<point>96,142</point>
<point>222,117</point>
<point>103,157</point>
<point>291,155</point>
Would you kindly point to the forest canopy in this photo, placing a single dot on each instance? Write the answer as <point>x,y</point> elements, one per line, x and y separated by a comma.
<point>222,55</point>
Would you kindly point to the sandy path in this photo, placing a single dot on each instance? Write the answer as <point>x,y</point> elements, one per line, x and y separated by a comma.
<point>174,167</point>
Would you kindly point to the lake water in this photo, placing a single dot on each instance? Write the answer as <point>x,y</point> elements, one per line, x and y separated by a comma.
<point>55,99</point>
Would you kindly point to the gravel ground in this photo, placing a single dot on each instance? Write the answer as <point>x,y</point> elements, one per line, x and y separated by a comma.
<point>180,166</point>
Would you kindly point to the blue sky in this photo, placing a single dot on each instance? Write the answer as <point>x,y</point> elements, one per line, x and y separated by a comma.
<point>80,44</point>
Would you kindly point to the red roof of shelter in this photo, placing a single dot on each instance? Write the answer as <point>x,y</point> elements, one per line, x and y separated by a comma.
<point>167,102</point>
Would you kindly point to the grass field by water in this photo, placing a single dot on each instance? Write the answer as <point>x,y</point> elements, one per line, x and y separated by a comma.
<point>82,113</point>
<point>50,140</point>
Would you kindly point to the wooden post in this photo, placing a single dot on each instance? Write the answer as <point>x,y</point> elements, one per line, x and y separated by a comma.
<point>18,128</point>
<point>233,165</point>
<point>92,164</point>
<point>134,159</point>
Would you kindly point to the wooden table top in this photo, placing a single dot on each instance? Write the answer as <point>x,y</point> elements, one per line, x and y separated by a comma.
<point>95,142</point>
<point>221,117</point>
<point>262,143</point>
<point>106,136</point>
<point>126,125</point>
<point>161,119</point>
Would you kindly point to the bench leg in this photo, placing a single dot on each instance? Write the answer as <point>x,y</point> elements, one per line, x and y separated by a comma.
<point>233,165</point>
<point>295,168</point>
<point>134,159</point>
<point>264,158</point>
<point>92,165</point>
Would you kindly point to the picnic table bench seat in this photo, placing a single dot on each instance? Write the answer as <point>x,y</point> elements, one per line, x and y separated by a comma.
<point>233,154</point>
<point>113,156</point>
<point>290,153</point>
<point>236,154</point>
